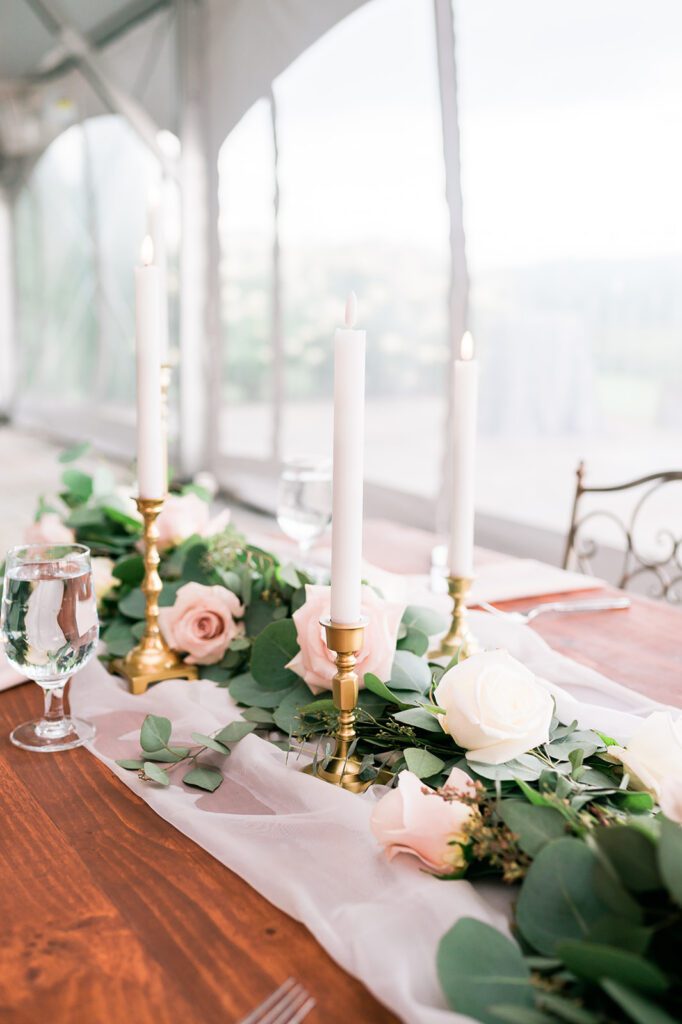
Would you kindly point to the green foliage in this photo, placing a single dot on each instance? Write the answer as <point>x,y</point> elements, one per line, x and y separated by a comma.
<point>422,763</point>
<point>479,968</point>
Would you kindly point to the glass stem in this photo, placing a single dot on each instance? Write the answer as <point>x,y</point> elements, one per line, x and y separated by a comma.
<point>54,704</point>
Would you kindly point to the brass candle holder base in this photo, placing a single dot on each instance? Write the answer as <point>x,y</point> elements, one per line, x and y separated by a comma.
<point>343,768</point>
<point>459,636</point>
<point>152,660</point>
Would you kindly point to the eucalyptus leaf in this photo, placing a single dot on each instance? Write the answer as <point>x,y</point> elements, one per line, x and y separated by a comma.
<point>258,715</point>
<point>203,777</point>
<point>562,896</point>
<point>129,569</point>
<point>479,968</point>
<point>511,1014</point>
<point>375,685</point>
<point>534,826</point>
<point>133,605</point>
<point>211,742</point>
<point>79,484</point>
<point>567,1010</point>
<point>427,620</point>
<point>410,672</point>
<point>632,855</point>
<point>234,732</point>
<point>422,763</point>
<point>156,774</point>
<point>130,764</point>
<point>75,452</point>
<point>155,733</point>
<point>119,638</point>
<point>414,641</point>
<point>594,962</point>
<point>637,1006</point>
<point>420,719</point>
<point>246,690</point>
<point>272,650</point>
<point>168,755</point>
<point>287,716</point>
<point>526,768</point>
<point>670,858</point>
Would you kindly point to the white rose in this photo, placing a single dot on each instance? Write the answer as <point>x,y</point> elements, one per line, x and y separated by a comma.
<point>654,753</point>
<point>494,707</point>
<point>102,579</point>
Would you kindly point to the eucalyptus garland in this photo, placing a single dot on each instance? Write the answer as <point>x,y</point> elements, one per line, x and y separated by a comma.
<point>598,868</point>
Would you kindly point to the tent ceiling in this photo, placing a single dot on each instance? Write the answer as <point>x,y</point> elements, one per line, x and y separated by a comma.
<point>27,42</point>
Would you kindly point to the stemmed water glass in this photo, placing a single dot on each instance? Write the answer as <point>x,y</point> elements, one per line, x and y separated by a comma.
<point>49,627</point>
<point>304,501</point>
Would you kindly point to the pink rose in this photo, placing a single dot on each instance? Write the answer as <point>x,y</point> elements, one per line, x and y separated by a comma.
<point>202,622</point>
<point>183,515</point>
<point>315,662</point>
<point>49,529</point>
<point>415,819</point>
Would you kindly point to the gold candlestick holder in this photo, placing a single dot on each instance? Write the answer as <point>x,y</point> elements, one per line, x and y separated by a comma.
<point>152,660</point>
<point>459,636</point>
<point>343,769</point>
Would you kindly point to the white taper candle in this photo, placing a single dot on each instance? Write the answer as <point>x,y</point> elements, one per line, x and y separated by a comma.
<point>349,430</point>
<point>464,407</point>
<point>150,442</point>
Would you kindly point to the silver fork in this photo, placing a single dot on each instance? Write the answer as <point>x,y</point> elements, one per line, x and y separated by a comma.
<point>289,1004</point>
<point>605,604</point>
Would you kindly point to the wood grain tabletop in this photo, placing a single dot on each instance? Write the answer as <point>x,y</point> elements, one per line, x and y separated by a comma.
<point>110,915</point>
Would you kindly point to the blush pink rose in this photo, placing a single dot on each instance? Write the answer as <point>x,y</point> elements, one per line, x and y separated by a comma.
<point>202,623</point>
<point>314,663</point>
<point>414,819</point>
<point>49,529</point>
<point>183,515</point>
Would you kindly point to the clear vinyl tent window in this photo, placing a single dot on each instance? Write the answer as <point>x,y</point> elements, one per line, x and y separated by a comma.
<point>571,170</point>
<point>360,205</point>
<point>79,220</point>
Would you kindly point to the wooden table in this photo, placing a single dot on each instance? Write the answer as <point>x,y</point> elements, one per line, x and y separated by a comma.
<point>111,915</point>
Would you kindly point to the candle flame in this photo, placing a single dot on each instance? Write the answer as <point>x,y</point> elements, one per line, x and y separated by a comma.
<point>351,310</point>
<point>147,251</point>
<point>466,348</point>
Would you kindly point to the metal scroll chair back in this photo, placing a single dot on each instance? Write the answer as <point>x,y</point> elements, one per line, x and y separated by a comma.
<point>650,555</point>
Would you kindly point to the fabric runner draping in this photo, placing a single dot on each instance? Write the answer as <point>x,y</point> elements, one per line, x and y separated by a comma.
<point>307,846</point>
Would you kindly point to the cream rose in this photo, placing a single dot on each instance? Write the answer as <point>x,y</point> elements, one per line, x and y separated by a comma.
<point>102,577</point>
<point>414,819</point>
<point>654,753</point>
<point>671,798</point>
<point>183,515</point>
<point>494,707</point>
<point>202,623</point>
<point>49,529</point>
<point>315,662</point>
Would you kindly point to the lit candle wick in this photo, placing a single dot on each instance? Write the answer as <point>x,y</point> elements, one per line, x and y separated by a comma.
<point>466,348</point>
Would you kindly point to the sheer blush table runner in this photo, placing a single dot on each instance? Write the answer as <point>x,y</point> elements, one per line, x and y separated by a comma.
<point>307,846</point>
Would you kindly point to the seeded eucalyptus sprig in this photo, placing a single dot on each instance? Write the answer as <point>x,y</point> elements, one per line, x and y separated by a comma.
<point>155,741</point>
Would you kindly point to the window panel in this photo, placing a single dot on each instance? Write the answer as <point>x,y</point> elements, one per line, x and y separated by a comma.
<point>362,207</point>
<point>571,168</point>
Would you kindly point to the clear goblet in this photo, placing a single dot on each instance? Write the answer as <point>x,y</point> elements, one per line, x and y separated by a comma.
<point>49,628</point>
<point>304,501</point>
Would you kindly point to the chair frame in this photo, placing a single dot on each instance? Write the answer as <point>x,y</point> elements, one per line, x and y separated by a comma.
<point>666,571</point>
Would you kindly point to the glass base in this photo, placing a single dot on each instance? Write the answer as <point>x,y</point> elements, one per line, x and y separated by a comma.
<point>44,736</point>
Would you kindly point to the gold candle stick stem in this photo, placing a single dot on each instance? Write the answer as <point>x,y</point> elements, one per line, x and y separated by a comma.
<point>343,768</point>
<point>152,660</point>
<point>459,636</point>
